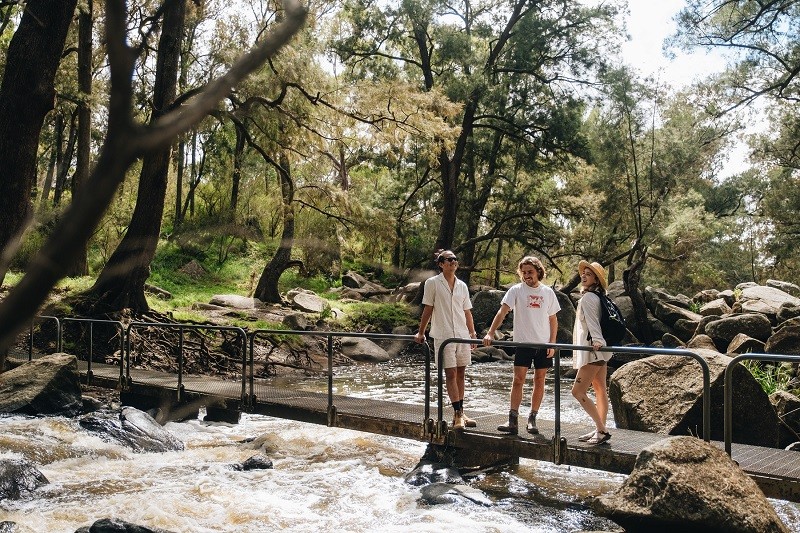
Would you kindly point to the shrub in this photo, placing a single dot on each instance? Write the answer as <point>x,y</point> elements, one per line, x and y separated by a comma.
<point>379,318</point>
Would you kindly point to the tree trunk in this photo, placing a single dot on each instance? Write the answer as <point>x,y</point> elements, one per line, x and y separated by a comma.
<point>267,288</point>
<point>121,283</point>
<point>238,156</point>
<point>480,197</point>
<point>450,172</point>
<point>80,267</point>
<point>64,161</point>
<point>55,152</point>
<point>631,278</point>
<point>26,96</point>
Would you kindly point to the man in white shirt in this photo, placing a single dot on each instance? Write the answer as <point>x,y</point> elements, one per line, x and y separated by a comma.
<point>448,308</point>
<point>535,306</point>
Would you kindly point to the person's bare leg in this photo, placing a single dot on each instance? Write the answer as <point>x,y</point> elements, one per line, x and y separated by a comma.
<point>599,384</point>
<point>586,375</point>
<point>537,394</point>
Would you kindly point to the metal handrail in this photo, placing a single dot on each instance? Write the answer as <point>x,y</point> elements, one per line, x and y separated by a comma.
<point>330,335</point>
<point>728,403</point>
<point>30,333</point>
<point>557,365</point>
<point>92,321</point>
<point>181,328</point>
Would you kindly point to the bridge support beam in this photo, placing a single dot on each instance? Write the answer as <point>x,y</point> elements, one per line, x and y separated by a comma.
<point>468,460</point>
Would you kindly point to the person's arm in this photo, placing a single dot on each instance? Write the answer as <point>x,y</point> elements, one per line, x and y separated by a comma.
<point>553,334</point>
<point>591,313</point>
<point>498,319</point>
<point>427,311</point>
<point>470,324</point>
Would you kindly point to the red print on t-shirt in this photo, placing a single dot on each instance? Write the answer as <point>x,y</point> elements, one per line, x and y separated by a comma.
<point>535,301</point>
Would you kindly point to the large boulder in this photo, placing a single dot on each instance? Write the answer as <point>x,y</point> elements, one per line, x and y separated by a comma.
<point>19,478</point>
<point>766,300</point>
<point>753,325</point>
<point>566,318</point>
<point>670,313</point>
<point>785,341</point>
<point>234,301</point>
<point>306,301</point>
<point>685,484</point>
<point>394,347</point>
<point>716,307</point>
<point>789,288</point>
<point>363,350</point>
<point>49,385</point>
<point>664,394</point>
<point>787,311</point>
<point>132,428</point>
<point>705,296</point>
<point>787,406</point>
<point>484,307</point>
<point>741,343</point>
<point>115,525</point>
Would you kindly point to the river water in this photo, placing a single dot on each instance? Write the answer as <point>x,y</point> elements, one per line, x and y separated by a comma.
<point>324,479</point>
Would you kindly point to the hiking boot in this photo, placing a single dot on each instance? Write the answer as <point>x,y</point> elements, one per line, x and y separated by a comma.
<point>469,422</point>
<point>458,420</point>
<point>513,425</point>
<point>531,427</point>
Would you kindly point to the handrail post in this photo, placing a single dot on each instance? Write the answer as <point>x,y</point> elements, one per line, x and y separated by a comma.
<point>180,363</point>
<point>330,376</point>
<point>30,341</point>
<point>440,385</point>
<point>557,403</point>
<point>91,353</point>
<point>427,352</point>
<point>242,336</point>
<point>252,337</point>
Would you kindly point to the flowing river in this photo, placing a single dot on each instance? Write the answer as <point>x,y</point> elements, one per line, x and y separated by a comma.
<point>324,479</point>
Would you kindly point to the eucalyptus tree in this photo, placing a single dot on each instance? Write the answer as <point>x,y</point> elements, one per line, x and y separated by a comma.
<point>761,41</point>
<point>120,284</point>
<point>513,68</point>
<point>125,142</point>
<point>26,96</point>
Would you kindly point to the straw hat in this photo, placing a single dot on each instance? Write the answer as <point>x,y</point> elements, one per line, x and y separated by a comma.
<point>598,270</point>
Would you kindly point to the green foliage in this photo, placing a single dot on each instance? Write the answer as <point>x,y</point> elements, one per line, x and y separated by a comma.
<point>771,377</point>
<point>379,318</point>
<point>291,279</point>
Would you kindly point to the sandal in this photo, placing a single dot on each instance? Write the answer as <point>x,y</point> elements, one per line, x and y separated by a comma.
<point>585,438</point>
<point>599,438</point>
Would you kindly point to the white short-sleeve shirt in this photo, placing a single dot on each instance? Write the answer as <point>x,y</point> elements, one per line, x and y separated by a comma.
<point>448,319</point>
<point>532,309</point>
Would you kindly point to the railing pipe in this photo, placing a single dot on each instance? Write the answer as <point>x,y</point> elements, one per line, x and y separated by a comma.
<point>728,402</point>
<point>615,349</point>
<point>330,374</point>
<point>42,318</point>
<point>181,328</point>
<point>330,335</point>
<point>92,321</point>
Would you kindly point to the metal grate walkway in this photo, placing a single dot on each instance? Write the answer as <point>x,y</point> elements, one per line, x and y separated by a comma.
<point>776,471</point>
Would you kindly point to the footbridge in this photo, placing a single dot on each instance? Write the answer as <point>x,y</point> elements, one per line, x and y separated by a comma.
<point>241,386</point>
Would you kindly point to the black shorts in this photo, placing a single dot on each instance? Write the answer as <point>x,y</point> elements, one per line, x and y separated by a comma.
<point>532,356</point>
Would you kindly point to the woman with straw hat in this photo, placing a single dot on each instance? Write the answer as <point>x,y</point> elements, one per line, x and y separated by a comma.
<point>591,364</point>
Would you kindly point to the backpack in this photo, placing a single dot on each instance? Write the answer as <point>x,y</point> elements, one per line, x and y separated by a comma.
<point>612,324</point>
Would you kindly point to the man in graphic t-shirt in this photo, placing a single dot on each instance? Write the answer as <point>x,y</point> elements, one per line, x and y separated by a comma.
<point>535,306</point>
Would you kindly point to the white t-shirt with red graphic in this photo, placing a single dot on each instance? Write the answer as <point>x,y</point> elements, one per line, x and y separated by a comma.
<point>532,311</point>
